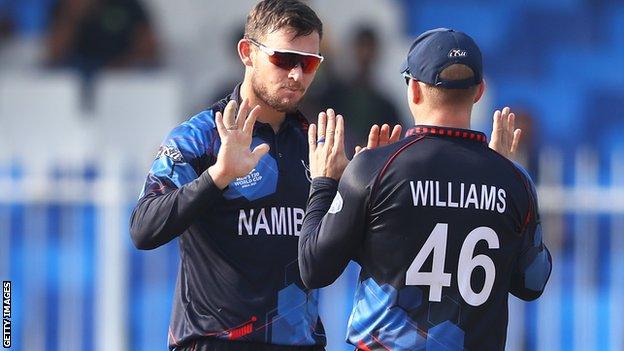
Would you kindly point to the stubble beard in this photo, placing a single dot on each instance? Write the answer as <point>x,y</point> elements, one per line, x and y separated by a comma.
<point>272,100</point>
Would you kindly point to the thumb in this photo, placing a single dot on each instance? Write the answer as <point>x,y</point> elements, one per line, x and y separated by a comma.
<point>360,150</point>
<point>516,141</point>
<point>260,151</point>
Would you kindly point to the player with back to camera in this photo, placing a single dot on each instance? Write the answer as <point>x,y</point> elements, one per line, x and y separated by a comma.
<point>443,227</point>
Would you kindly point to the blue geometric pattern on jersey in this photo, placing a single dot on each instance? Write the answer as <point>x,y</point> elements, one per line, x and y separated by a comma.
<point>536,274</point>
<point>445,337</point>
<point>537,239</point>
<point>297,316</point>
<point>380,319</point>
<point>188,141</point>
<point>403,340</point>
<point>410,298</point>
<point>535,263</point>
<point>379,313</point>
<point>447,310</point>
<point>260,182</point>
<point>537,270</point>
<point>163,168</point>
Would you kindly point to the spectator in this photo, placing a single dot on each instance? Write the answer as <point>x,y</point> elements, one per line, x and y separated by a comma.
<point>363,104</point>
<point>90,35</point>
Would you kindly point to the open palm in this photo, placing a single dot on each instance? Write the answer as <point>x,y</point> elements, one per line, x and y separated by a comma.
<point>235,159</point>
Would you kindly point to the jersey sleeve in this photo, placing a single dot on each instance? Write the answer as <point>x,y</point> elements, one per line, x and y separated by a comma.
<point>332,230</point>
<point>173,193</point>
<point>534,264</point>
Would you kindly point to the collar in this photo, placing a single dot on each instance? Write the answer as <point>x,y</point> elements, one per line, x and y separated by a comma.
<point>457,133</point>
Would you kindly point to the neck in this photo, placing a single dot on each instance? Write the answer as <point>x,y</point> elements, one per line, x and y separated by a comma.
<point>448,117</point>
<point>267,114</point>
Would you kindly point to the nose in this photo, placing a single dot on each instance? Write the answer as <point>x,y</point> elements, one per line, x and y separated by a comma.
<point>296,73</point>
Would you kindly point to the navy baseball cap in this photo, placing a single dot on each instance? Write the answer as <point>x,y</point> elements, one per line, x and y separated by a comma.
<point>436,49</point>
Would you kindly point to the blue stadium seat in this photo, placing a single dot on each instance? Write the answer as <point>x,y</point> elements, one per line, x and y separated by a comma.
<point>487,24</point>
<point>589,67</point>
<point>557,107</point>
<point>615,28</point>
<point>604,117</point>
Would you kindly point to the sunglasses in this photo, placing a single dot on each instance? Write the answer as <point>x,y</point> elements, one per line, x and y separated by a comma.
<point>408,77</point>
<point>289,59</point>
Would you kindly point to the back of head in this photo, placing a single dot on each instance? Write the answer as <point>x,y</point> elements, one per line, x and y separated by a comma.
<point>449,63</point>
<point>271,15</point>
<point>440,96</point>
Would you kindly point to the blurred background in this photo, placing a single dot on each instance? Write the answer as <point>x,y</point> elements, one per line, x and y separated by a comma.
<point>88,89</point>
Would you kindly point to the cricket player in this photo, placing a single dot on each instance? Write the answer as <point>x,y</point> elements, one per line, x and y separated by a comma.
<point>444,227</point>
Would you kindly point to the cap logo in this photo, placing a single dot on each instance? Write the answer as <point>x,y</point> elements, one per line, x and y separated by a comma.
<point>457,53</point>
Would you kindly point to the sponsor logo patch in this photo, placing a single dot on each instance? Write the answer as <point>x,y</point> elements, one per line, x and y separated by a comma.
<point>171,152</point>
<point>336,205</point>
<point>457,53</point>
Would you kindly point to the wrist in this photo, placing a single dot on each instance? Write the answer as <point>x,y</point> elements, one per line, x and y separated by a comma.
<point>324,181</point>
<point>219,178</point>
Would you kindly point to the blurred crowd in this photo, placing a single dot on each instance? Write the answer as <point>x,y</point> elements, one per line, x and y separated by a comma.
<point>91,36</point>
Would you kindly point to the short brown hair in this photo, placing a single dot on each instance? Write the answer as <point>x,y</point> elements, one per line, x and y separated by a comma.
<point>271,15</point>
<point>444,96</point>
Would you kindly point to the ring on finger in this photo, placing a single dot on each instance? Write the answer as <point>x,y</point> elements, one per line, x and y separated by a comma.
<point>232,127</point>
<point>321,140</point>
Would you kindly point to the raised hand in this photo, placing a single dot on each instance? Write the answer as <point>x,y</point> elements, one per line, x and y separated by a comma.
<point>326,144</point>
<point>235,159</point>
<point>380,137</point>
<point>505,138</point>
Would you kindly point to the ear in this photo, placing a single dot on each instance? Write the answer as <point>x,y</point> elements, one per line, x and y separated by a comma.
<point>245,52</point>
<point>414,92</point>
<point>480,91</point>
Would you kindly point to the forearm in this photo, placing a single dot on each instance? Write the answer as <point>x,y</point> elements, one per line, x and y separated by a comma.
<point>317,263</point>
<point>158,219</point>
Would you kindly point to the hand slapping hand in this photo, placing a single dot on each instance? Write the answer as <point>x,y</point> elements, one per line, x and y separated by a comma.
<point>380,137</point>
<point>326,144</point>
<point>505,138</point>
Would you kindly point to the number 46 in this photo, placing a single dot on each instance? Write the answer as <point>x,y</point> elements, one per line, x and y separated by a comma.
<point>437,278</point>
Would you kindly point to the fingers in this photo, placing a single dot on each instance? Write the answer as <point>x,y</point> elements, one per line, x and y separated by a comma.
<point>505,119</point>
<point>516,141</point>
<point>243,114</point>
<point>505,137</point>
<point>338,145</point>
<point>220,126</point>
<point>331,128</point>
<point>312,137</point>
<point>229,114</point>
<point>497,125</point>
<point>373,137</point>
<point>396,134</point>
<point>511,121</point>
<point>246,124</point>
<point>384,135</point>
<point>322,123</point>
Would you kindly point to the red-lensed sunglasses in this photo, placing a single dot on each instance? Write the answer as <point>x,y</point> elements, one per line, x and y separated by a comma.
<point>289,59</point>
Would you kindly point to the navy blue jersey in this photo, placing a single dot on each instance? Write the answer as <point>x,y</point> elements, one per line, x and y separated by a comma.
<point>444,229</point>
<point>238,277</point>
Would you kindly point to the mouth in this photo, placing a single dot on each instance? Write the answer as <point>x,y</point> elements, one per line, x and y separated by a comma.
<point>292,93</point>
<point>297,89</point>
